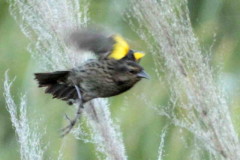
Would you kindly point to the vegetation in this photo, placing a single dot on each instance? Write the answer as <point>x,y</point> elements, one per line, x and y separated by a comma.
<point>177,109</point>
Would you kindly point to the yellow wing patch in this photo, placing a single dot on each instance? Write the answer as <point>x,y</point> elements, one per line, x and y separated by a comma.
<point>138,55</point>
<point>120,48</point>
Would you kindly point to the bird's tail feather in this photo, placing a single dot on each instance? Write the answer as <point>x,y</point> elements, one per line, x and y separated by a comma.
<point>45,79</point>
<point>55,85</point>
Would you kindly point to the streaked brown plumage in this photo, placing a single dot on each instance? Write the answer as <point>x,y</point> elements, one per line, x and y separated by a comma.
<point>96,78</point>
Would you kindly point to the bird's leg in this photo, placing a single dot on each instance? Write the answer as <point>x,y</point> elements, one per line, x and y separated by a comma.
<point>69,127</point>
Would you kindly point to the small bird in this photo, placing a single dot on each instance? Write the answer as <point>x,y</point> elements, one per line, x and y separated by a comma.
<point>105,76</point>
<point>95,78</point>
<point>104,46</point>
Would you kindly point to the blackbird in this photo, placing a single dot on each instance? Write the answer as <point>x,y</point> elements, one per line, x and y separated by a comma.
<point>114,46</point>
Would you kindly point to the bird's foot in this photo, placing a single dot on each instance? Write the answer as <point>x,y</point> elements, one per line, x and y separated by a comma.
<point>69,127</point>
<point>72,122</point>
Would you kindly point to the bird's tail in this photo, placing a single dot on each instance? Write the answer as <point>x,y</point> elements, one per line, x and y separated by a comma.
<point>55,83</point>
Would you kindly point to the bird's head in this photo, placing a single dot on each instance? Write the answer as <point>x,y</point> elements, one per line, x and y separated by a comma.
<point>129,73</point>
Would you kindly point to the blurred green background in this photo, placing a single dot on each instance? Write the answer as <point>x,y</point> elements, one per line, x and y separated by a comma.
<point>216,24</point>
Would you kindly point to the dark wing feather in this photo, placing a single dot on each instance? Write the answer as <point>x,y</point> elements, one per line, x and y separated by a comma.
<point>55,83</point>
<point>51,77</point>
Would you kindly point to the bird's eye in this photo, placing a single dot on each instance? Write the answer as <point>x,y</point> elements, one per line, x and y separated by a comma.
<point>133,71</point>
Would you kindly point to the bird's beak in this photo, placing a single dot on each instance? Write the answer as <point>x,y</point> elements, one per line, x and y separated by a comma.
<point>143,74</point>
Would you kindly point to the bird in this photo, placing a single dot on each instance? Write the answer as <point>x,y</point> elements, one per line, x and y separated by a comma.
<point>106,76</point>
<point>114,46</point>
<point>97,78</point>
